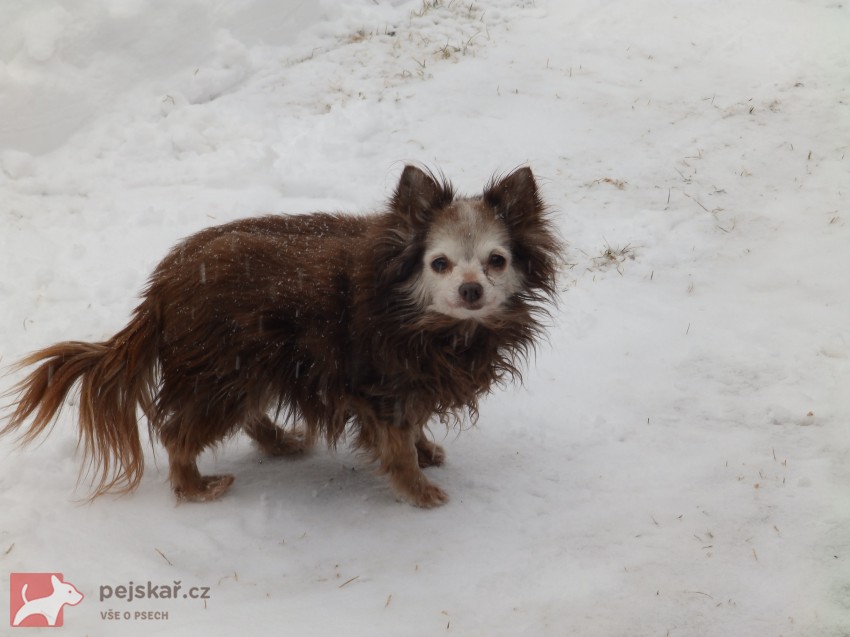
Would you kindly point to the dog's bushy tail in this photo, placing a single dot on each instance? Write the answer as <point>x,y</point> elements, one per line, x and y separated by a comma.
<point>116,377</point>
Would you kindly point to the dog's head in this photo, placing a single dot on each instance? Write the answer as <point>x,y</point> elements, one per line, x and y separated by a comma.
<point>471,258</point>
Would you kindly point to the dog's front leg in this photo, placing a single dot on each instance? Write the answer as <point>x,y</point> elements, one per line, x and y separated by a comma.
<point>429,452</point>
<point>395,449</point>
<point>399,458</point>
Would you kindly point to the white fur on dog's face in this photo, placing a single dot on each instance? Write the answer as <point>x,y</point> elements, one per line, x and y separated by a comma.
<point>467,270</point>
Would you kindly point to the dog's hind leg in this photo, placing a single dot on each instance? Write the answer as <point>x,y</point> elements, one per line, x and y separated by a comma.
<point>184,444</point>
<point>274,440</point>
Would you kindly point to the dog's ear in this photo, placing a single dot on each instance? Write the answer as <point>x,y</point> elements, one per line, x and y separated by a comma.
<point>515,197</point>
<point>418,194</point>
<point>535,243</point>
<point>400,244</point>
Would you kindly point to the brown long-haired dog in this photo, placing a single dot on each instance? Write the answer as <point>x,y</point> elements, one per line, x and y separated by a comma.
<point>370,324</point>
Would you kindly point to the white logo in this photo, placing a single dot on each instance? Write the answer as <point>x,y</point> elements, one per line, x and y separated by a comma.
<point>50,606</point>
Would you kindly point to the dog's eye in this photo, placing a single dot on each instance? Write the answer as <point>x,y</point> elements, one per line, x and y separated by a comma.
<point>440,264</point>
<point>497,261</point>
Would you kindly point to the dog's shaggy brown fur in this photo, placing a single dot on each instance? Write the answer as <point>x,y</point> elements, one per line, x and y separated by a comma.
<point>309,318</point>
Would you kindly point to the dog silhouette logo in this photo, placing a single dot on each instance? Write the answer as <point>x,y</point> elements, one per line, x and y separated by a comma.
<point>38,599</point>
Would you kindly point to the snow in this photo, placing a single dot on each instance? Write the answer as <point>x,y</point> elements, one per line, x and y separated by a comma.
<point>678,459</point>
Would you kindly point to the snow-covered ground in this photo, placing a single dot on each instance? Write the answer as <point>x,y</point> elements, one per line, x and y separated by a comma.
<point>678,462</point>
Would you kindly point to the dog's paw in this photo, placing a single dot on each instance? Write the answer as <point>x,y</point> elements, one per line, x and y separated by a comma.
<point>428,496</point>
<point>286,443</point>
<point>210,488</point>
<point>429,454</point>
<point>277,441</point>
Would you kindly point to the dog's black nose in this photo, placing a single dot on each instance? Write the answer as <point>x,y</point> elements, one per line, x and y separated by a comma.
<point>471,292</point>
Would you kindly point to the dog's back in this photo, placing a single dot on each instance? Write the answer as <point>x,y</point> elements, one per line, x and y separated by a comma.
<point>255,315</point>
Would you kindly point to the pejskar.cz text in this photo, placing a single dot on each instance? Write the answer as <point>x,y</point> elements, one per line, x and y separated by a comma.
<point>149,590</point>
